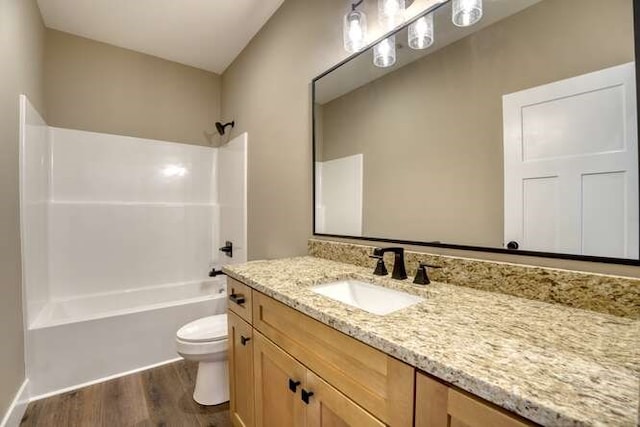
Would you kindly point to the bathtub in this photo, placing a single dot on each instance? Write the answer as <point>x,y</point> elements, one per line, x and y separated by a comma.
<point>84,340</point>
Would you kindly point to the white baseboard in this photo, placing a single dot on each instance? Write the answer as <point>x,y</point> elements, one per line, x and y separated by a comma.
<point>17,408</point>
<point>101,380</point>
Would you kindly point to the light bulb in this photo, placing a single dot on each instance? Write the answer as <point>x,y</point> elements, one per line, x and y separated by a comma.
<point>354,31</point>
<point>466,12</point>
<point>421,32</point>
<point>384,53</point>
<point>391,13</point>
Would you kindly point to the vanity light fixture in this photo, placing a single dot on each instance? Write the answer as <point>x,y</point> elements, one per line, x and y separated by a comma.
<point>421,32</point>
<point>384,53</point>
<point>391,13</point>
<point>466,12</point>
<point>354,29</point>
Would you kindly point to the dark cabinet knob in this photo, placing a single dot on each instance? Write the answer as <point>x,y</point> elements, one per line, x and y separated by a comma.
<point>513,245</point>
<point>244,340</point>
<point>293,385</point>
<point>305,395</point>
<point>237,298</point>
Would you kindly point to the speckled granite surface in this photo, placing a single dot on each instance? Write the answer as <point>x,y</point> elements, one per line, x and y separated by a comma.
<point>619,296</point>
<point>552,364</point>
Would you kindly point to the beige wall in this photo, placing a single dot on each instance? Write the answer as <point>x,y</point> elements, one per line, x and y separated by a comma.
<point>21,46</point>
<point>267,90</point>
<point>433,129</point>
<point>102,88</point>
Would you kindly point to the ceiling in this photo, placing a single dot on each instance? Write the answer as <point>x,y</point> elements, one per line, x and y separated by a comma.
<point>206,34</point>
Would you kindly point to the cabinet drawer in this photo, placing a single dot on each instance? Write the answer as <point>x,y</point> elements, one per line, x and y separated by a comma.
<point>379,383</point>
<point>440,405</point>
<point>471,411</point>
<point>239,296</point>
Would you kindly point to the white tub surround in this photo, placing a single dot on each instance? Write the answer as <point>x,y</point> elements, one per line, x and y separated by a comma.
<point>35,197</point>
<point>128,213</point>
<point>119,234</point>
<point>232,198</point>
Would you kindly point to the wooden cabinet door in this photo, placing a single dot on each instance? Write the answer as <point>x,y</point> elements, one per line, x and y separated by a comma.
<point>382,385</point>
<point>279,378</point>
<point>241,346</point>
<point>438,405</point>
<point>327,407</point>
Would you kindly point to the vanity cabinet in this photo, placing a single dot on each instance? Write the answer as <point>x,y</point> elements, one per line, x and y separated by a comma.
<point>439,405</point>
<point>287,369</point>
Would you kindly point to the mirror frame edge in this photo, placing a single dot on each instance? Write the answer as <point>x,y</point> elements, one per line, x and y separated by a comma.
<point>469,248</point>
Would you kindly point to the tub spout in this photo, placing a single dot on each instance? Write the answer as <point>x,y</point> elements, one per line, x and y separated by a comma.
<point>214,273</point>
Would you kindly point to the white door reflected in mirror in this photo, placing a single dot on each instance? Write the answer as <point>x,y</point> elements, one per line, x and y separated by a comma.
<point>570,160</point>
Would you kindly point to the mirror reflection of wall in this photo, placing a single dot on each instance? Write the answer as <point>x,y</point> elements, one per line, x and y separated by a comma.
<point>434,131</point>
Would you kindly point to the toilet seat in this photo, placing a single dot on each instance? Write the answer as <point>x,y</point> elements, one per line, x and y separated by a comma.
<point>207,329</point>
<point>205,341</point>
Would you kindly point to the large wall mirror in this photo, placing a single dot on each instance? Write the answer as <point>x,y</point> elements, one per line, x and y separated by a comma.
<point>517,133</point>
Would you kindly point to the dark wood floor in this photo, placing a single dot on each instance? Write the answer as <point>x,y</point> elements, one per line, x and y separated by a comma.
<point>157,397</point>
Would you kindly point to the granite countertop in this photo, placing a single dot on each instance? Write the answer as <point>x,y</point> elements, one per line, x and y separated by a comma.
<point>552,364</point>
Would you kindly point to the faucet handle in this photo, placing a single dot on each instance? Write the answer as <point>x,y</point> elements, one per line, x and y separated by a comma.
<point>381,269</point>
<point>422,278</point>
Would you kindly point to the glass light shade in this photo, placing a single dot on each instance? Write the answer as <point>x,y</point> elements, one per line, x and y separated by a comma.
<point>384,53</point>
<point>354,31</point>
<point>466,12</point>
<point>421,33</point>
<point>391,13</point>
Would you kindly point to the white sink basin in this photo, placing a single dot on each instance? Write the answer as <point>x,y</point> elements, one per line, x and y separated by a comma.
<point>368,297</point>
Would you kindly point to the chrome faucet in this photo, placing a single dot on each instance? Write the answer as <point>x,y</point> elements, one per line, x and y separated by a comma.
<point>399,271</point>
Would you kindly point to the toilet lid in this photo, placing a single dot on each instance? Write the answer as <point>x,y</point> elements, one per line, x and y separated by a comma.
<point>212,328</point>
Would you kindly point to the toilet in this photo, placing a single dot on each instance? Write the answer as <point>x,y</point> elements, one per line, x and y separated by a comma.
<point>205,341</point>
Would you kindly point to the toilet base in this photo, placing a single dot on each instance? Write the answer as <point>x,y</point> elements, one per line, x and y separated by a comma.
<point>212,383</point>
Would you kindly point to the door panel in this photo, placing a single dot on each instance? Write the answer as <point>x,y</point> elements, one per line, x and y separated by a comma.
<point>431,402</point>
<point>278,381</point>
<point>603,208</point>
<point>240,371</point>
<point>598,114</point>
<point>540,211</point>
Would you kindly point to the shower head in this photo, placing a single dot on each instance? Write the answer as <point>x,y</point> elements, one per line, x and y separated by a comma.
<point>221,127</point>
